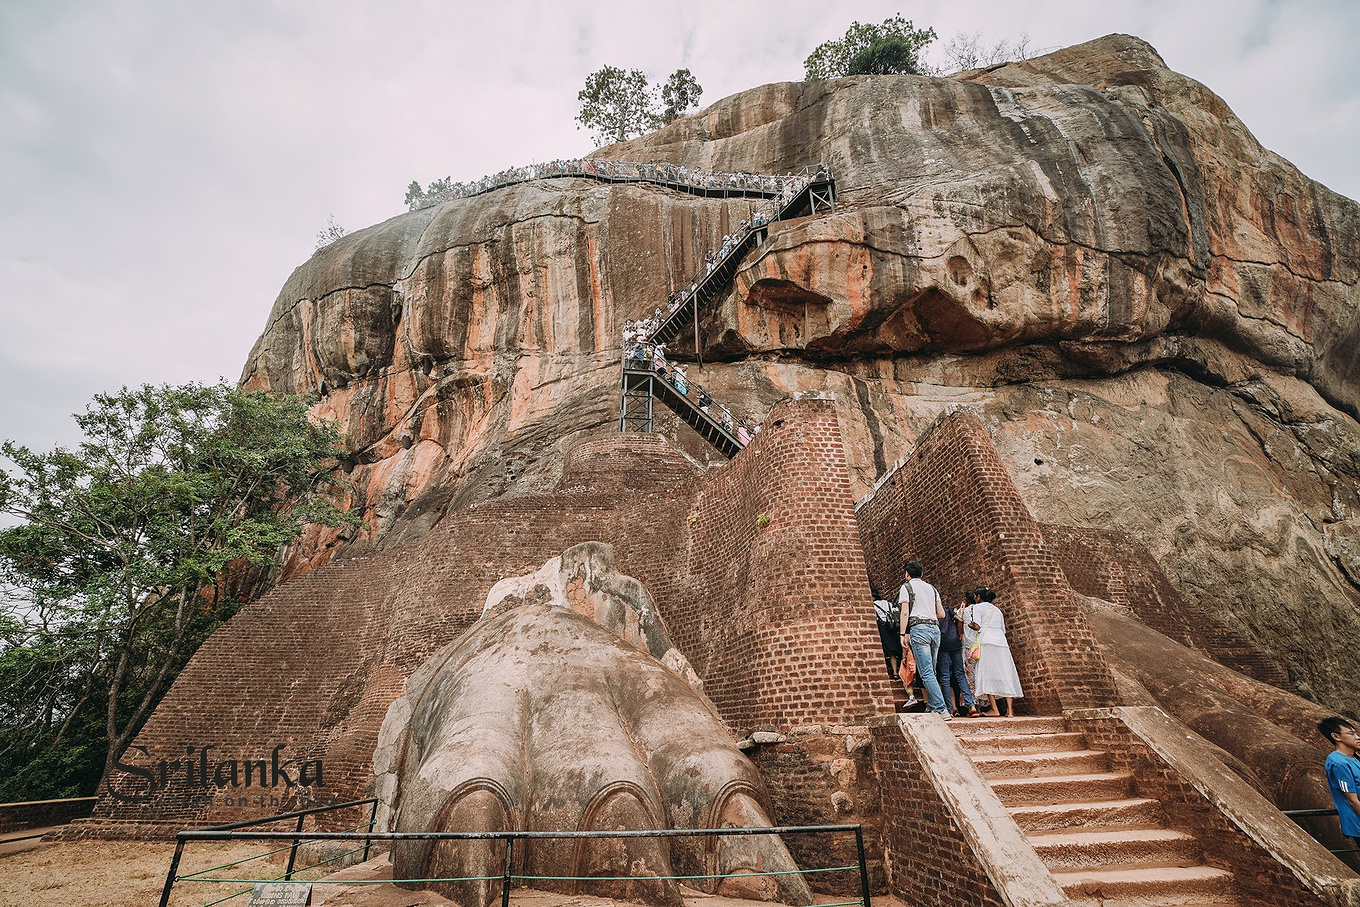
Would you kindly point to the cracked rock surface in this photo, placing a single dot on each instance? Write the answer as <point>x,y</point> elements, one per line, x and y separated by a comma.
<point>1156,317</point>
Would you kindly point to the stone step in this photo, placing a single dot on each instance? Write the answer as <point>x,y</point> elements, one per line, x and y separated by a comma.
<point>1160,885</point>
<point>993,726</point>
<point>1136,811</point>
<point>1109,848</point>
<point>1063,788</point>
<point>1037,765</point>
<point>1000,744</point>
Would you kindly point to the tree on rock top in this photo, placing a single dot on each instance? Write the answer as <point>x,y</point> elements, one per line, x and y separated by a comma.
<point>893,47</point>
<point>130,552</point>
<point>681,92</point>
<point>617,105</point>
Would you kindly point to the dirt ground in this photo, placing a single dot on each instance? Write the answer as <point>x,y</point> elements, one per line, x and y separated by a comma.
<point>117,873</point>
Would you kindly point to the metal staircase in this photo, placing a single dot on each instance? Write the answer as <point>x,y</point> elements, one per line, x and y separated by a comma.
<point>647,377</point>
<point>809,193</point>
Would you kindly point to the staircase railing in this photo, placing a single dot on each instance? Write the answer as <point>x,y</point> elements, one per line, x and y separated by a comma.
<point>708,183</point>
<point>648,376</point>
<point>809,189</point>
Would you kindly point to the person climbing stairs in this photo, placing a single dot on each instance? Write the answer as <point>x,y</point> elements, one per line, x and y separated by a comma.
<point>647,376</point>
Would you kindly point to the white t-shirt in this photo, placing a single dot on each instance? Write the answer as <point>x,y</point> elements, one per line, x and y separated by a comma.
<point>991,623</point>
<point>927,598</point>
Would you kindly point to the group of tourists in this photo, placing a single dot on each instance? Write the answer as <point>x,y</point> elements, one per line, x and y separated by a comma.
<point>731,242</point>
<point>740,183</point>
<point>641,356</point>
<point>960,654</point>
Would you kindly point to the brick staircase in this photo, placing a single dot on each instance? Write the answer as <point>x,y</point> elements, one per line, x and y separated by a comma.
<point>1104,844</point>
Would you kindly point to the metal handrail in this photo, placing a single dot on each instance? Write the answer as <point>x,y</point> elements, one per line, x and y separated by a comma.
<point>646,363</point>
<point>1310,813</point>
<point>731,184</point>
<point>231,828</point>
<point>224,833</point>
<point>737,241</point>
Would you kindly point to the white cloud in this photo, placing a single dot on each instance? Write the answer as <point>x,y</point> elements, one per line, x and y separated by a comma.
<point>164,166</point>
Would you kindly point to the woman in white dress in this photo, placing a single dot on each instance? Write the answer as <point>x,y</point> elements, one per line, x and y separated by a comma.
<point>995,675</point>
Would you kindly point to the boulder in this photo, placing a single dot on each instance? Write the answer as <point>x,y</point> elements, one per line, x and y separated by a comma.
<point>1155,317</point>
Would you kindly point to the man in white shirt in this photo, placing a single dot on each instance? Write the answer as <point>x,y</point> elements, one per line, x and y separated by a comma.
<point>922,609</point>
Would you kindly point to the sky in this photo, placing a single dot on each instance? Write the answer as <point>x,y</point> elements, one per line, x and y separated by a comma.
<point>165,165</point>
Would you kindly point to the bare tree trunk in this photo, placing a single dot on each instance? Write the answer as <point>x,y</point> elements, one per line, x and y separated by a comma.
<point>119,740</point>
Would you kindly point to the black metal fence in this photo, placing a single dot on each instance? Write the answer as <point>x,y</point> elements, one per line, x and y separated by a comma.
<point>232,831</point>
<point>236,832</point>
<point>1297,814</point>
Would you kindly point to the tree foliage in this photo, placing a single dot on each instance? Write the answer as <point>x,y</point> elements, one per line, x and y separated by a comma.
<point>681,92</point>
<point>617,104</point>
<point>415,194</point>
<point>893,47</point>
<point>129,553</point>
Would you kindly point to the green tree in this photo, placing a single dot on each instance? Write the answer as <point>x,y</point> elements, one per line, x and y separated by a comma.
<point>893,47</point>
<point>681,92</point>
<point>132,549</point>
<point>617,105</point>
<point>415,195</point>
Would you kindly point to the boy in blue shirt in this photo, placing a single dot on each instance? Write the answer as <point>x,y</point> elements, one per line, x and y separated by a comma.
<point>1343,773</point>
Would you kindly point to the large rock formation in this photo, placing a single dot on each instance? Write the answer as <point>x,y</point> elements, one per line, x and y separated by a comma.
<point>1154,316</point>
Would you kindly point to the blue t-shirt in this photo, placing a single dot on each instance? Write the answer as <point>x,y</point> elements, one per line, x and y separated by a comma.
<point>1343,777</point>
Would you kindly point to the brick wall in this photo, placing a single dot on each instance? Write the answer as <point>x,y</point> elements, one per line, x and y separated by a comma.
<point>1261,879</point>
<point>825,776</point>
<point>776,619</point>
<point>1114,566</point>
<point>43,813</point>
<point>928,860</point>
<point>780,619</point>
<point>952,506</point>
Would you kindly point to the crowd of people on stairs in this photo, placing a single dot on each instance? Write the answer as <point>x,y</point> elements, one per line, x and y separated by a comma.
<point>959,655</point>
<point>782,189</point>
<point>640,356</point>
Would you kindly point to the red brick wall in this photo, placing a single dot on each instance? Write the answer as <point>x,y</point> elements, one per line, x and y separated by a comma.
<point>822,776</point>
<point>1116,567</point>
<point>952,506</point>
<point>777,620</point>
<point>1261,879</point>
<point>780,622</point>
<point>928,859</point>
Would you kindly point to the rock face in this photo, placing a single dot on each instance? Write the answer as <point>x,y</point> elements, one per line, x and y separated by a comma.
<point>567,708</point>
<point>1155,317</point>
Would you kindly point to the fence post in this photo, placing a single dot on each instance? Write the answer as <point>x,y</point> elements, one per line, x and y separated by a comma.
<point>863,869</point>
<point>174,867</point>
<point>505,879</point>
<point>372,820</point>
<point>292,851</point>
